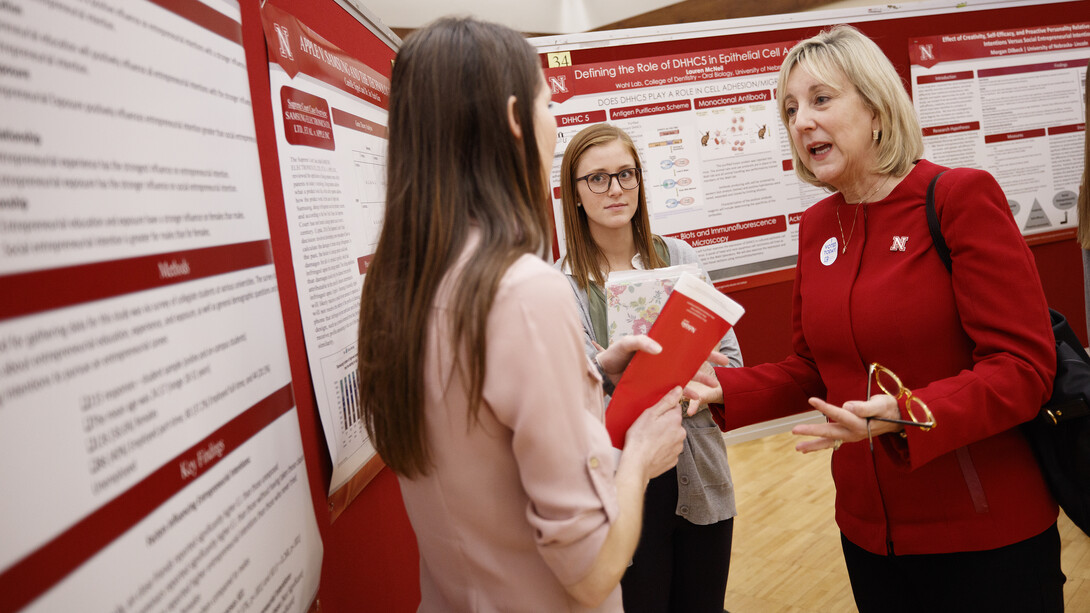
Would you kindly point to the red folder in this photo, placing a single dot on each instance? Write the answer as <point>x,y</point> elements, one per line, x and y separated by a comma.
<point>691,324</point>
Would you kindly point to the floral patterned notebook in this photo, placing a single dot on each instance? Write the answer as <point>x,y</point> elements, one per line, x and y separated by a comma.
<point>634,298</point>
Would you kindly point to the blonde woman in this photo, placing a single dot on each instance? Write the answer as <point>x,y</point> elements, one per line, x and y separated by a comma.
<point>939,500</point>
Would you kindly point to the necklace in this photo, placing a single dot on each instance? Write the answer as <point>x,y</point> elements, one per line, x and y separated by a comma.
<point>855,216</point>
<point>844,245</point>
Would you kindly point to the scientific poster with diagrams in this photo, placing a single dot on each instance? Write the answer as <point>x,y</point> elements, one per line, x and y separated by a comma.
<point>1011,102</point>
<point>150,451</point>
<point>330,119</point>
<point>717,161</point>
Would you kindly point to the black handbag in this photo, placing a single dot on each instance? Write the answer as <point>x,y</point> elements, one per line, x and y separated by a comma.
<point>1060,434</point>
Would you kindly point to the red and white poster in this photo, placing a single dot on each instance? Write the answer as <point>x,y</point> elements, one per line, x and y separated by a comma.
<point>1011,102</point>
<point>717,162</point>
<point>150,453</point>
<point>330,123</point>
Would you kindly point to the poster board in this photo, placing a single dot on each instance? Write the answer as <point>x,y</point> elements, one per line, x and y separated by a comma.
<point>699,101</point>
<point>1012,102</point>
<point>386,576</point>
<point>370,554</point>
<point>330,124</point>
<point>149,434</point>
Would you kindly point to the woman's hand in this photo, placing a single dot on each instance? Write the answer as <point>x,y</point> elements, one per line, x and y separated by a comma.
<point>651,447</point>
<point>704,389</point>
<point>848,423</point>
<point>615,359</point>
<point>655,439</point>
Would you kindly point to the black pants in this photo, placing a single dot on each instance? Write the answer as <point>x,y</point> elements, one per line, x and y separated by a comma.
<point>679,566</point>
<point>1025,576</point>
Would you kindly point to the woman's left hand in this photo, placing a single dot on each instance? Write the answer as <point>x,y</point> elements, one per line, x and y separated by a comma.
<point>616,358</point>
<point>848,423</point>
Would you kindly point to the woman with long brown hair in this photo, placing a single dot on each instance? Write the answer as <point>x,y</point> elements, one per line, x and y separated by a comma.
<point>474,386</point>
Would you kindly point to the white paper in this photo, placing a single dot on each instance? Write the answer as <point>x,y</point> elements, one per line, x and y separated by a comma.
<point>144,349</point>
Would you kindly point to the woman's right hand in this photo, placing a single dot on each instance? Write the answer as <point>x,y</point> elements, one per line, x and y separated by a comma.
<point>655,438</point>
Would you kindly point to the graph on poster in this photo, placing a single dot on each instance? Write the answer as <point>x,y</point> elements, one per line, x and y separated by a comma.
<point>348,392</point>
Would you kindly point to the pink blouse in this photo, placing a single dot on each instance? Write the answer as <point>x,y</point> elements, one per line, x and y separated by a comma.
<point>518,504</point>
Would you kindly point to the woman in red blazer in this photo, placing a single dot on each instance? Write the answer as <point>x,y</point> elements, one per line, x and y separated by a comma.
<point>951,517</point>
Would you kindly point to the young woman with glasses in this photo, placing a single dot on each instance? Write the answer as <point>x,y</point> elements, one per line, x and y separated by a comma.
<point>940,503</point>
<point>683,557</point>
<point>473,382</point>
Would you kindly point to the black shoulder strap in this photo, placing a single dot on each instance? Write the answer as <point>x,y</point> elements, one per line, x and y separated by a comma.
<point>933,224</point>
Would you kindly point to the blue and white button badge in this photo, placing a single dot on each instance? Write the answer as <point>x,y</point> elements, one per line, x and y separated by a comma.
<point>829,251</point>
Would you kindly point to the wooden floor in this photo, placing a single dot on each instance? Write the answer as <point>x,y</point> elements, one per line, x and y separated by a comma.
<point>786,555</point>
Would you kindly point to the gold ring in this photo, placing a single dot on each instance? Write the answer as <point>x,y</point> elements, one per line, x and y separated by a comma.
<point>837,443</point>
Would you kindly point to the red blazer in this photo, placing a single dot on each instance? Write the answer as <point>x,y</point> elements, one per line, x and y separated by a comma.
<point>976,346</point>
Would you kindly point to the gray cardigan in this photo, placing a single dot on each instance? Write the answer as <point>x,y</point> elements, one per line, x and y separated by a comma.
<point>705,492</point>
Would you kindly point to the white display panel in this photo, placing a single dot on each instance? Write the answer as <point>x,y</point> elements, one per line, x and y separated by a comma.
<point>146,393</point>
<point>1010,102</point>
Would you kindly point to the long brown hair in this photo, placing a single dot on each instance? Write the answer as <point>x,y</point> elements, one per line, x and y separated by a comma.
<point>583,254</point>
<point>453,164</point>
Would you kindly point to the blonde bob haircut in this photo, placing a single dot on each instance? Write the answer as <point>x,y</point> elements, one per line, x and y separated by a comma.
<point>582,252</point>
<point>840,53</point>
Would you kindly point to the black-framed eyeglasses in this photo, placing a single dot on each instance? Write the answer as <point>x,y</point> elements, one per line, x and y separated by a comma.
<point>599,182</point>
<point>888,382</point>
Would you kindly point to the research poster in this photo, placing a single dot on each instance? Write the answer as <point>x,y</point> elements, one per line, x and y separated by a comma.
<point>716,159</point>
<point>330,120</point>
<point>1011,102</point>
<point>150,453</point>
